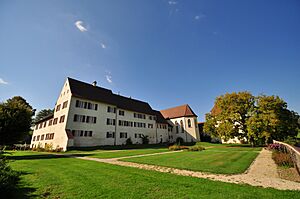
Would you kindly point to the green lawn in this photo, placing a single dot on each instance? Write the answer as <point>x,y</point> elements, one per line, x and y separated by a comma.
<point>126,153</point>
<point>47,176</point>
<point>223,159</point>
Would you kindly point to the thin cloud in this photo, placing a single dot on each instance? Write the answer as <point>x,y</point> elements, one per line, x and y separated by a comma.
<point>103,45</point>
<point>172,2</point>
<point>109,78</point>
<point>79,25</point>
<point>201,16</point>
<point>2,81</point>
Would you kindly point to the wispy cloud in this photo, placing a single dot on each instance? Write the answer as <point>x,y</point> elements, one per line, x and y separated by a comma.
<point>201,16</point>
<point>2,81</point>
<point>79,25</point>
<point>103,45</point>
<point>172,2</point>
<point>109,78</point>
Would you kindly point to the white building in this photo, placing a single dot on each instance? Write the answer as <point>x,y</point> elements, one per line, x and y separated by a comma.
<point>88,115</point>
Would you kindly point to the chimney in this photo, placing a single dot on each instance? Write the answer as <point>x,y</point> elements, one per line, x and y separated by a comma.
<point>94,83</point>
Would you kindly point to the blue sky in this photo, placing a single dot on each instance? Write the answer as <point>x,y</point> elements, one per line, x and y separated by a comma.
<point>165,52</point>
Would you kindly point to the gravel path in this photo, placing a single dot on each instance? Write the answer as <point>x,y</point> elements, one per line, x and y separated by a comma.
<point>262,172</point>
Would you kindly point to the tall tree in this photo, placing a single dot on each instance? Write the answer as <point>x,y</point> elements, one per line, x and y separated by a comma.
<point>229,115</point>
<point>43,113</point>
<point>272,120</point>
<point>15,120</point>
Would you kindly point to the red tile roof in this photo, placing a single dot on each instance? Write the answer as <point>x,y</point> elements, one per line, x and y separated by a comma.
<point>179,111</point>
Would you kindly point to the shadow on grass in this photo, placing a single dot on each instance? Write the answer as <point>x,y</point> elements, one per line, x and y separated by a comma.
<point>119,147</point>
<point>45,156</point>
<point>21,190</point>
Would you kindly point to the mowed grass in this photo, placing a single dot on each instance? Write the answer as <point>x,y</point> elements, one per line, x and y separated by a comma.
<point>47,176</point>
<point>126,153</point>
<point>223,159</point>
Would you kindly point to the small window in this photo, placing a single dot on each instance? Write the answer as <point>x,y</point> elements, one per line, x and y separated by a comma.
<point>81,133</point>
<point>41,125</point>
<point>57,107</point>
<point>110,134</point>
<point>90,133</point>
<point>121,112</point>
<point>62,119</point>
<point>33,138</point>
<point>96,107</point>
<point>85,133</point>
<point>36,126</point>
<point>123,135</point>
<point>65,104</point>
<point>55,121</point>
<point>189,123</point>
<point>38,138</point>
<point>50,122</point>
<point>42,137</point>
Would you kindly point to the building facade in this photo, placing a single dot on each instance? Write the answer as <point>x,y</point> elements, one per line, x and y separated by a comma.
<point>87,115</point>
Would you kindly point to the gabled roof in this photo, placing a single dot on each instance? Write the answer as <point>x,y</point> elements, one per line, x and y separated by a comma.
<point>95,93</point>
<point>179,111</point>
<point>160,118</point>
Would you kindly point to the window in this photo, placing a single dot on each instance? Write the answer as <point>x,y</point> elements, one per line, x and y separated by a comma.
<point>42,137</point>
<point>111,109</point>
<point>62,119</point>
<point>41,125</point>
<point>50,122</point>
<point>110,121</point>
<point>57,107</point>
<point>86,105</point>
<point>150,126</point>
<point>36,126</point>
<point>85,133</point>
<point>177,129</point>
<point>110,134</point>
<point>195,121</point>
<point>125,123</point>
<point>138,135</point>
<point>123,135</point>
<point>81,133</point>
<point>73,132</point>
<point>33,138</point>
<point>55,121</point>
<point>45,123</point>
<point>38,138</point>
<point>139,115</point>
<point>90,133</point>
<point>189,123</point>
<point>65,104</point>
<point>150,117</point>
<point>121,112</point>
<point>181,124</point>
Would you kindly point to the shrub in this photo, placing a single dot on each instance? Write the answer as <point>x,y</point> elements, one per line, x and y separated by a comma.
<point>8,177</point>
<point>196,148</point>
<point>276,147</point>
<point>128,141</point>
<point>177,147</point>
<point>145,139</point>
<point>282,159</point>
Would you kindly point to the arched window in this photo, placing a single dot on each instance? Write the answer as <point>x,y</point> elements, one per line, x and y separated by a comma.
<point>189,123</point>
<point>176,125</point>
<point>181,124</point>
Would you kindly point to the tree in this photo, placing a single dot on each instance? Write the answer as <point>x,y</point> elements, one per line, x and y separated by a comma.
<point>229,115</point>
<point>15,120</point>
<point>255,119</point>
<point>43,113</point>
<point>272,120</point>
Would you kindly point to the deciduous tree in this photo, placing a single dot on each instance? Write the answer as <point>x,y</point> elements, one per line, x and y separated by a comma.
<point>15,120</point>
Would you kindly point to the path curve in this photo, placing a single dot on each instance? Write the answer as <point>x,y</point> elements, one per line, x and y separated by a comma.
<point>262,172</point>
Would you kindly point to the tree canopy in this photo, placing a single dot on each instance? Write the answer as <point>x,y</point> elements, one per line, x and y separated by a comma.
<point>251,118</point>
<point>15,120</point>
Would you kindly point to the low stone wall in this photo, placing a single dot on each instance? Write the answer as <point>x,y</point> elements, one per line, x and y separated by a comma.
<point>293,152</point>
